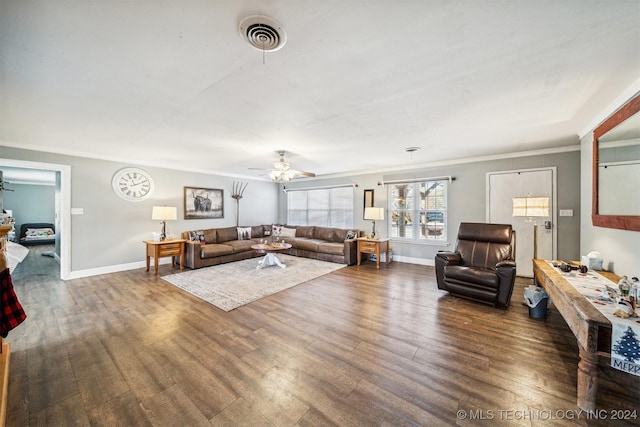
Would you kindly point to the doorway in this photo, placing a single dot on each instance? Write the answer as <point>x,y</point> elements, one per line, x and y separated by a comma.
<point>502,187</point>
<point>63,207</point>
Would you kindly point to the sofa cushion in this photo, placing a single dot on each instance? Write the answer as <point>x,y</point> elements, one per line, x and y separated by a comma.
<point>214,250</point>
<point>240,245</point>
<point>288,232</point>
<point>323,233</point>
<point>339,235</point>
<point>210,236</point>
<point>306,244</point>
<point>227,234</point>
<point>331,248</point>
<point>351,234</point>
<point>258,231</point>
<point>304,231</point>
<point>479,276</point>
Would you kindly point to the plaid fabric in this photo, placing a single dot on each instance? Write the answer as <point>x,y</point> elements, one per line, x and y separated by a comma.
<point>11,313</point>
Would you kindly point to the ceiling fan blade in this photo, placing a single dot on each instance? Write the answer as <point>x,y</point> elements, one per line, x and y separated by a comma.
<point>303,173</point>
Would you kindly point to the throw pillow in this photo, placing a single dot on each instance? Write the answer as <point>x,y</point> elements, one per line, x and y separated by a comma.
<point>351,234</point>
<point>39,232</point>
<point>275,229</point>
<point>244,233</point>
<point>197,236</point>
<point>288,232</point>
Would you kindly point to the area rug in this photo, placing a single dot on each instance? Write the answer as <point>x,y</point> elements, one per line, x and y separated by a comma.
<point>232,285</point>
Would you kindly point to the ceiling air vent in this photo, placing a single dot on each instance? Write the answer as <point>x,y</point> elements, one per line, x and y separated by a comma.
<point>263,33</point>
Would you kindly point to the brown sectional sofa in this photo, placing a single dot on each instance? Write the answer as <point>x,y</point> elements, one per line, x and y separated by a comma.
<point>221,245</point>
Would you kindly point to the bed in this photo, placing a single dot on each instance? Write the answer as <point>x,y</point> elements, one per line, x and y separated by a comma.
<point>37,233</point>
<point>15,254</point>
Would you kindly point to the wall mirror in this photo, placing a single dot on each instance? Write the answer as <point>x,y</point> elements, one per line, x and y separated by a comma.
<point>616,169</point>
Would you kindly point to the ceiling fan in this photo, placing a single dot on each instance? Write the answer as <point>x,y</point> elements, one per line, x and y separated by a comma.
<point>282,171</point>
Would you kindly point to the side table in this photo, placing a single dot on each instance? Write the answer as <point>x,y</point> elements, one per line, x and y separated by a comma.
<point>374,246</point>
<point>165,248</point>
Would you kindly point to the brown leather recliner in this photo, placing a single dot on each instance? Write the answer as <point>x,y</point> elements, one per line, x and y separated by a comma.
<point>483,267</point>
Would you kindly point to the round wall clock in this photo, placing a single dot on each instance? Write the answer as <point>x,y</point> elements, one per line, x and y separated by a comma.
<point>132,184</point>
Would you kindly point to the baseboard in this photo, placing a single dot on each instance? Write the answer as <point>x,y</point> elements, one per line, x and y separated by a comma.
<point>140,264</point>
<point>410,260</point>
<point>114,269</point>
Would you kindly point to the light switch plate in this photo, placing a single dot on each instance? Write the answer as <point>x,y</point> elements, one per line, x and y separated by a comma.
<point>566,212</point>
<point>77,211</point>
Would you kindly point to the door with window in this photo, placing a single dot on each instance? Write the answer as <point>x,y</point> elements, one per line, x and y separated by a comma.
<point>502,189</point>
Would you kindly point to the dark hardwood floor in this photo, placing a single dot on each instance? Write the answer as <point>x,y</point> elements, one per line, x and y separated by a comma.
<point>358,347</point>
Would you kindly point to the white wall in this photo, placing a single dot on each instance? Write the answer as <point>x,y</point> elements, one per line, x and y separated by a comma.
<point>108,235</point>
<point>30,203</point>
<point>467,199</point>
<point>620,249</point>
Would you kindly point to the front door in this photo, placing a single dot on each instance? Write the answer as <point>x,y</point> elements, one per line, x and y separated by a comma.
<point>502,187</point>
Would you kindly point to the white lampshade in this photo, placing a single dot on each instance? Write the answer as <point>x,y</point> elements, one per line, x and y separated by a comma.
<point>531,206</point>
<point>374,213</point>
<point>164,213</point>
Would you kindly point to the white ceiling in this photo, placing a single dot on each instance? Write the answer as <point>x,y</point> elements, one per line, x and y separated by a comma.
<point>173,84</point>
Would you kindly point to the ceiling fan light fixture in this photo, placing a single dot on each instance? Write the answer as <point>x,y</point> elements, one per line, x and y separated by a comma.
<point>282,171</point>
<point>281,176</point>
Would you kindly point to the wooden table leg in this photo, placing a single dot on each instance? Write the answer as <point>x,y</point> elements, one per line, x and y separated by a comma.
<point>587,380</point>
<point>148,262</point>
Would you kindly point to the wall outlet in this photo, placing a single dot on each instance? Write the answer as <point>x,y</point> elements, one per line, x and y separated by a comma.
<point>566,212</point>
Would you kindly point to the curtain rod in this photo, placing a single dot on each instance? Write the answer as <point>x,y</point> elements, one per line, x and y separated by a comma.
<point>407,181</point>
<point>322,187</point>
<point>622,163</point>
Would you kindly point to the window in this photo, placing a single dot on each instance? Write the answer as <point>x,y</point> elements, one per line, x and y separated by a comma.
<point>326,207</point>
<point>418,210</point>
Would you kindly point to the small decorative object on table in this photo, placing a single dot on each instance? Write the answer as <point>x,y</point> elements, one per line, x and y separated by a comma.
<point>275,234</point>
<point>624,285</point>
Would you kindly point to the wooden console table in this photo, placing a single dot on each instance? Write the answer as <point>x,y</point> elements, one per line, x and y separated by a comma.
<point>165,248</point>
<point>374,246</point>
<point>591,328</point>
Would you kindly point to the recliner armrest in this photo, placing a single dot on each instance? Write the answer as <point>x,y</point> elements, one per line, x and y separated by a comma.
<point>506,264</point>
<point>448,257</point>
<point>506,271</point>
<point>443,259</point>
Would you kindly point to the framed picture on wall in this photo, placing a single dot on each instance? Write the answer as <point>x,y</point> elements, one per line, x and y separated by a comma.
<point>368,200</point>
<point>202,203</point>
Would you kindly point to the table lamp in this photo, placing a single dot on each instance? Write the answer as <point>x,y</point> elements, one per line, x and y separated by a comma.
<point>164,214</point>
<point>374,214</point>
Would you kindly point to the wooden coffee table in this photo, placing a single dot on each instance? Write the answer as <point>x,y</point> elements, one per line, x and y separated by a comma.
<point>270,249</point>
